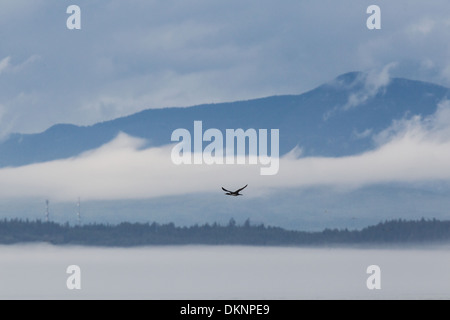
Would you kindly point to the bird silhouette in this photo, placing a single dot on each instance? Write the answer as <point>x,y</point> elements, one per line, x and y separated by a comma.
<point>234,193</point>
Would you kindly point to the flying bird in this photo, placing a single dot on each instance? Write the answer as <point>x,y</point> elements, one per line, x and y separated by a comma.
<point>234,193</point>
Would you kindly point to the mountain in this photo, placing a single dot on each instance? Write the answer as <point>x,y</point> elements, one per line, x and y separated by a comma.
<point>389,233</point>
<point>331,120</point>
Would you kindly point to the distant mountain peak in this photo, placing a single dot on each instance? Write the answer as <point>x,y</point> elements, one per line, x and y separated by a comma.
<point>356,102</point>
<point>350,77</point>
<point>357,80</point>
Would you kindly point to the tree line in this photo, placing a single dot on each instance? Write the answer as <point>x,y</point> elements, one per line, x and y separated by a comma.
<point>128,234</point>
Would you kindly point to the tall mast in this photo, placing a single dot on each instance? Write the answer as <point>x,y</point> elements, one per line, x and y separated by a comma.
<point>79,211</point>
<point>47,210</point>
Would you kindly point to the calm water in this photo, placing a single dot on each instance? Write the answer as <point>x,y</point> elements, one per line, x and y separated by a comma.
<point>228,272</point>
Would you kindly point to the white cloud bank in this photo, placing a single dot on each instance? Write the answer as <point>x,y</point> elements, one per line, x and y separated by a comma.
<point>415,149</point>
<point>222,272</point>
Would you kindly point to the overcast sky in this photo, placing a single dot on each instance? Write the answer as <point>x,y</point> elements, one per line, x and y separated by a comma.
<point>134,55</point>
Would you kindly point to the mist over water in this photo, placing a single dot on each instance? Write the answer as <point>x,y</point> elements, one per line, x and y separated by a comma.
<point>223,272</point>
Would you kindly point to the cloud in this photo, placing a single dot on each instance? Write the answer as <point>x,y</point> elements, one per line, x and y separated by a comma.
<point>3,130</point>
<point>372,83</point>
<point>155,54</point>
<point>363,134</point>
<point>411,150</point>
<point>27,62</point>
<point>366,86</point>
<point>223,272</point>
<point>4,64</point>
<point>435,127</point>
<point>410,39</point>
<point>15,98</point>
<point>445,72</point>
<point>424,27</point>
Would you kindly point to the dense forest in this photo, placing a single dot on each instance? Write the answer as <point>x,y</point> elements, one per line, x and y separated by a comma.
<point>137,234</point>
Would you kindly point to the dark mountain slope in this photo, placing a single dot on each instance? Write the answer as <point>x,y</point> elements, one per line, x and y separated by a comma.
<point>319,120</point>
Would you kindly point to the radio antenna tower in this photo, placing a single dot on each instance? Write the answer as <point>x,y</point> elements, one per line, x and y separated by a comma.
<point>78,211</point>
<point>47,211</point>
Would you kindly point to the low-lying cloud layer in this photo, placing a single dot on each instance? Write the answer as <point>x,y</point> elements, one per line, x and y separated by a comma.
<point>222,272</point>
<point>411,150</point>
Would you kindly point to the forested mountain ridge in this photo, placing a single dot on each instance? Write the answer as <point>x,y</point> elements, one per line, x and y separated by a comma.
<point>141,234</point>
<point>320,121</point>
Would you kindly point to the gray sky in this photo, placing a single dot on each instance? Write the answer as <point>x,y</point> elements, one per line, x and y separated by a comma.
<point>134,55</point>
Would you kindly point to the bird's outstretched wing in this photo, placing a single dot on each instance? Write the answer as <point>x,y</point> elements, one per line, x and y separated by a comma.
<point>225,190</point>
<point>239,190</point>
